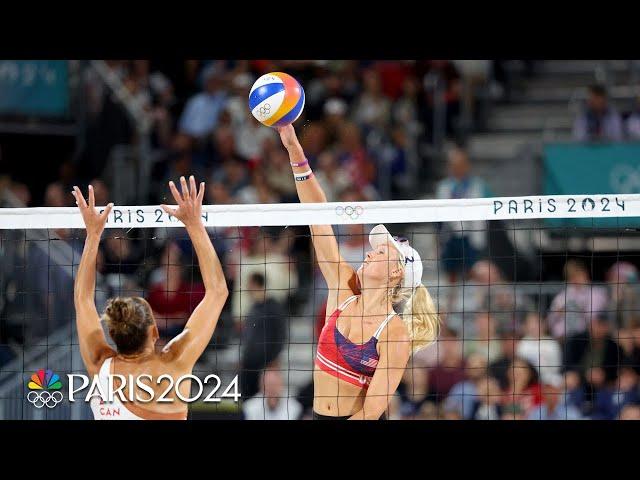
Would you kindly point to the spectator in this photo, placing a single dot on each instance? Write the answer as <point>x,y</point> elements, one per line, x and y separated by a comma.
<point>269,256</point>
<point>164,101</point>
<point>463,241</point>
<point>463,396</point>
<point>611,399</point>
<point>225,146</point>
<point>249,136</point>
<point>450,368</point>
<point>632,123</point>
<point>218,193</point>
<point>523,393</point>
<point>263,335</point>
<point>274,404</point>
<point>412,393</point>
<point>474,76</point>
<point>572,308</point>
<point>233,174</point>
<point>624,304</point>
<point>488,404</point>
<point>372,109</point>
<point>499,368</point>
<point>120,256</point>
<point>354,158</point>
<point>23,194</point>
<point>201,113</point>
<point>405,110</point>
<point>441,82</point>
<point>335,116</point>
<point>599,121</point>
<point>487,291</point>
<point>332,178</point>
<point>171,296</point>
<point>539,349</point>
<point>593,354</point>
<point>353,243</point>
<point>177,163</point>
<point>630,412</point>
<point>328,84</point>
<point>394,180</point>
<point>392,75</point>
<point>100,191</point>
<point>554,404</point>
<point>278,175</point>
<point>485,340</point>
<point>258,191</point>
<point>50,294</point>
<point>314,141</point>
<point>56,196</point>
<point>237,103</point>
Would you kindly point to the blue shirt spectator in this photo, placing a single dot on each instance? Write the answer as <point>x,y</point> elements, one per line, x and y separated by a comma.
<point>557,403</point>
<point>462,399</point>
<point>563,411</point>
<point>599,121</point>
<point>610,401</point>
<point>463,241</point>
<point>200,116</point>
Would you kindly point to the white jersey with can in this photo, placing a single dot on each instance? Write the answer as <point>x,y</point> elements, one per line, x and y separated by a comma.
<point>116,409</point>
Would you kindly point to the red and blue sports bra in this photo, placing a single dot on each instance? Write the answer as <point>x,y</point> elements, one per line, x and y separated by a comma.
<point>338,356</point>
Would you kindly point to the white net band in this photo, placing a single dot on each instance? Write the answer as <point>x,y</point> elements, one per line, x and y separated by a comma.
<point>400,211</point>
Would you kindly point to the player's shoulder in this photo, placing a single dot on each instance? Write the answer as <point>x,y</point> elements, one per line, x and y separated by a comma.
<point>396,329</point>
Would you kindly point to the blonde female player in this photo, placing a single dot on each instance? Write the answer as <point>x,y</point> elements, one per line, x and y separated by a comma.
<point>132,326</point>
<point>364,346</point>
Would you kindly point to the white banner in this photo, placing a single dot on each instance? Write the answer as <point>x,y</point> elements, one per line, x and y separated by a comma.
<point>396,211</point>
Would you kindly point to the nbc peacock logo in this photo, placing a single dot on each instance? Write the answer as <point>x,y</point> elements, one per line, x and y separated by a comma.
<point>44,389</point>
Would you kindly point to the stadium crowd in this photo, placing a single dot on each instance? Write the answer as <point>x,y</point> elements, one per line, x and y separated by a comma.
<point>501,355</point>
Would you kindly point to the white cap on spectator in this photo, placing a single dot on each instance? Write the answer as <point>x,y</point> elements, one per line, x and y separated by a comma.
<point>335,106</point>
<point>242,80</point>
<point>554,379</point>
<point>159,82</point>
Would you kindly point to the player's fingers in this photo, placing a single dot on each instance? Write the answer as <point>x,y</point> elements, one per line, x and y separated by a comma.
<point>92,197</point>
<point>106,211</point>
<point>193,191</point>
<point>79,198</point>
<point>201,193</point>
<point>185,188</point>
<point>168,210</point>
<point>175,193</point>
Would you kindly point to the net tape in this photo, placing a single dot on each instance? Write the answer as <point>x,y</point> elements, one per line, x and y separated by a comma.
<point>339,213</point>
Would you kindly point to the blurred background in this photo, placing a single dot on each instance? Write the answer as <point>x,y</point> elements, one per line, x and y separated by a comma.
<point>541,319</point>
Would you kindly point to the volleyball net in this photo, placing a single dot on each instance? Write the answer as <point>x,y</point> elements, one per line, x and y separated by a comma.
<point>539,299</point>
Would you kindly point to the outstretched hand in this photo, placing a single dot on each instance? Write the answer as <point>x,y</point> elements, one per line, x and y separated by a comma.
<point>189,202</point>
<point>93,221</point>
<point>288,136</point>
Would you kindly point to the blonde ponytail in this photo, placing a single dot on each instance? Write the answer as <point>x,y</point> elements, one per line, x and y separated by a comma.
<point>419,315</point>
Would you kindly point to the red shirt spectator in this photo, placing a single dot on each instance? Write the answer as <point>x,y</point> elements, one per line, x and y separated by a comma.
<point>392,75</point>
<point>524,392</point>
<point>180,302</point>
<point>172,298</point>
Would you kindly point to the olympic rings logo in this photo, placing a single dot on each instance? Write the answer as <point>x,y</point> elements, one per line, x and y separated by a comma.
<point>44,398</point>
<point>265,109</point>
<point>349,211</point>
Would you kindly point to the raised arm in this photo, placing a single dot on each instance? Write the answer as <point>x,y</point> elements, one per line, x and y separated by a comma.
<point>94,348</point>
<point>338,273</point>
<point>187,347</point>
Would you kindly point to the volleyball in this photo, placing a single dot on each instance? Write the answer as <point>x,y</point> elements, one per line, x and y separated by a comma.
<point>276,99</point>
